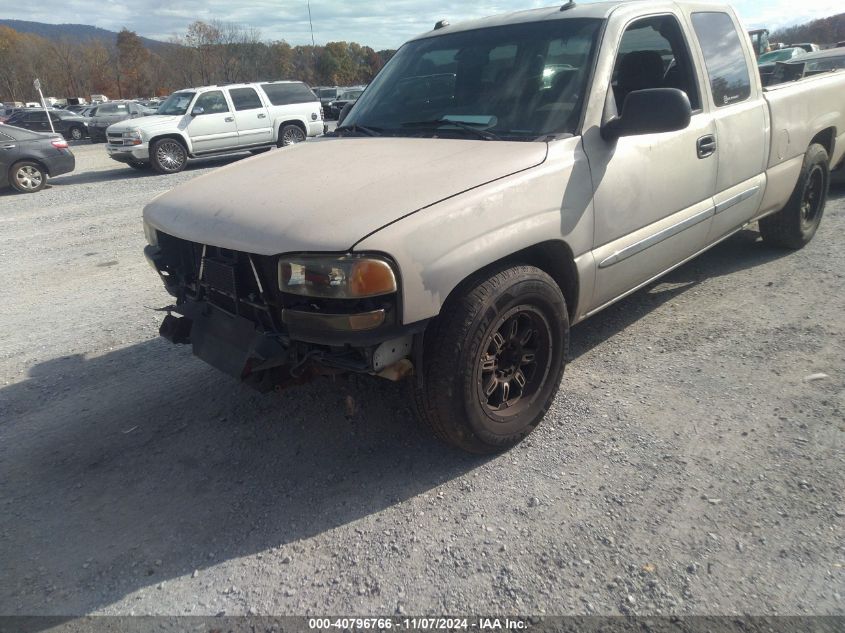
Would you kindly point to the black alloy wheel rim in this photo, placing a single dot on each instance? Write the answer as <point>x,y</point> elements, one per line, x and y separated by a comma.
<point>514,362</point>
<point>811,202</point>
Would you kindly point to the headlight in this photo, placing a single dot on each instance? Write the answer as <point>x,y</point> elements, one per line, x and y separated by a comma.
<point>132,137</point>
<point>151,234</point>
<point>346,277</point>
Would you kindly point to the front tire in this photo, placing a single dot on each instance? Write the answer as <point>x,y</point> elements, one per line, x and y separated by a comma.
<point>27,177</point>
<point>75,134</point>
<point>168,156</point>
<point>795,225</point>
<point>493,360</point>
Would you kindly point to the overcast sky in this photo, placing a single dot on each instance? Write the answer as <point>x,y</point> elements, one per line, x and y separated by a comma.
<point>377,23</point>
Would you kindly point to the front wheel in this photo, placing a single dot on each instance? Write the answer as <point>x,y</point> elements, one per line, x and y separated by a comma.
<point>168,156</point>
<point>75,134</point>
<point>291,134</point>
<point>493,360</point>
<point>795,225</point>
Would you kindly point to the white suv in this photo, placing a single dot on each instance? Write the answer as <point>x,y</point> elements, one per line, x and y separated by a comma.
<point>217,120</point>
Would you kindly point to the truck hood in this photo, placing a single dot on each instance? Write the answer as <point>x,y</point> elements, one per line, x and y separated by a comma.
<point>328,194</point>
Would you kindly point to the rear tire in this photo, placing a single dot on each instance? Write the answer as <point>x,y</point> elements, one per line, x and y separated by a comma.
<point>493,360</point>
<point>168,156</point>
<point>291,134</point>
<point>795,225</point>
<point>27,177</point>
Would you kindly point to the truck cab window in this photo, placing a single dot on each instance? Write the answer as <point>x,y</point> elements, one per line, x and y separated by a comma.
<point>723,56</point>
<point>654,54</point>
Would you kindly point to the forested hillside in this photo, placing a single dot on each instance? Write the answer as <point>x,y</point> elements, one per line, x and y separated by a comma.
<point>127,65</point>
<point>826,31</point>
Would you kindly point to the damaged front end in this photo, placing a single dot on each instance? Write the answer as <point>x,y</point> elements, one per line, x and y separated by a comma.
<point>232,309</point>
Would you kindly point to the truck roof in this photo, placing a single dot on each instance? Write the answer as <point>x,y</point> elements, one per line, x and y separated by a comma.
<point>600,10</point>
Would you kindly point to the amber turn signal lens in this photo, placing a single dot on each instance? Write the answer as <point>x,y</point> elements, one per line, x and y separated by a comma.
<point>371,277</point>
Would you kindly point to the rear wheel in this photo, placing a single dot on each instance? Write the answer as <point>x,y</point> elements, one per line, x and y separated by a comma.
<point>27,177</point>
<point>291,134</point>
<point>796,224</point>
<point>168,156</point>
<point>493,360</point>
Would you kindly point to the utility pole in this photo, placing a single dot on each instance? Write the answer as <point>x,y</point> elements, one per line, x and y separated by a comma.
<point>37,85</point>
<point>311,24</point>
<point>313,45</point>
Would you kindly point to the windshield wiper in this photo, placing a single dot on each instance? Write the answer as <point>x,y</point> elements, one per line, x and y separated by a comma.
<point>363,129</point>
<point>438,123</point>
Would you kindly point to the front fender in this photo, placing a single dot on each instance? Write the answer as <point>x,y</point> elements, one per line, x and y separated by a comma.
<point>437,248</point>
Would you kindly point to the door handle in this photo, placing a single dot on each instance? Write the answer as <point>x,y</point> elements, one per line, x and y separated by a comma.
<point>262,116</point>
<point>9,146</point>
<point>706,146</point>
<point>229,119</point>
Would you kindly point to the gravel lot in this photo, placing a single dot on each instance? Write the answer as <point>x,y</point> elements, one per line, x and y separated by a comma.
<point>690,464</point>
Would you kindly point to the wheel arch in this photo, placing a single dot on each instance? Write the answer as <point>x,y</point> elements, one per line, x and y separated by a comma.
<point>175,136</point>
<point>298,122</point>
<point>37,161</point>
<point>553,257</point>
<point>827,139</point>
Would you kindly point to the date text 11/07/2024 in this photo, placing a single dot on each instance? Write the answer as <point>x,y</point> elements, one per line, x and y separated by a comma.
<point>420,624</point>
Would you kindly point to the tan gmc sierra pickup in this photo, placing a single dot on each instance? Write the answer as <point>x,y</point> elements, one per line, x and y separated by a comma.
<point>500,181</point>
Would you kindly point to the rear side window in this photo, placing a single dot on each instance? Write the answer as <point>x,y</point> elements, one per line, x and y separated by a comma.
<point>723,56</point>
<point>286,94</point>
<point>245,99</point>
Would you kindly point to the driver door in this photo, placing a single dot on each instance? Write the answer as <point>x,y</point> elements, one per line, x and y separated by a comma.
<point>653,193</point>
<point>212,126</point>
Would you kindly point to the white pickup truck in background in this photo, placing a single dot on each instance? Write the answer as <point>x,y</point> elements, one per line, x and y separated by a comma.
<point>504,179</point>
<point>217,120</point>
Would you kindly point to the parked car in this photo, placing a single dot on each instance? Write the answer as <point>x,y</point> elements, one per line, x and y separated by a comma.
<point>347,96</point>
<point>112,112</point>
<point>68,124</point>
<point>217,120</point>
<point>28,159</point>
<point>806,47</point>
<point>326,94</point>
<point>487,213</point>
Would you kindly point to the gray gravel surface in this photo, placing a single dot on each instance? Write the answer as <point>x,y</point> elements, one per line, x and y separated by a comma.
<point>692,462</point>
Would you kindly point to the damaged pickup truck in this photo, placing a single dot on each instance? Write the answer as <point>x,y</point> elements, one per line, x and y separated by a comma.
<point>502,180</point>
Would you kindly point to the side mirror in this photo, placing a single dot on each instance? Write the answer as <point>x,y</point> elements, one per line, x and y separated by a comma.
<point>650,111</point>
<point>343,113</point>
<point>197,111</point>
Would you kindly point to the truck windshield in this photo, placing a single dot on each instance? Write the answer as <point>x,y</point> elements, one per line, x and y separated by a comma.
<point>516,82</point>
<point>176,104</point>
